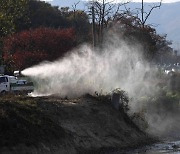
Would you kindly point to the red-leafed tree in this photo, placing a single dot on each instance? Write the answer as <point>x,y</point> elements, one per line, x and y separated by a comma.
<point>30,47</point>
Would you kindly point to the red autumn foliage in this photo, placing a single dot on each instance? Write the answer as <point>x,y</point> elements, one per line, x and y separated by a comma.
<point>30,47</point>
<point>21,60</point>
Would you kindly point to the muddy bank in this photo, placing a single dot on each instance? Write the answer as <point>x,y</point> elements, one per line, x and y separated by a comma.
<point>55,125</point>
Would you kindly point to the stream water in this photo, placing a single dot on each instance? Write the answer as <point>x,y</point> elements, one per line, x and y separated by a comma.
<point>166,147</point>
<point>172,147</point>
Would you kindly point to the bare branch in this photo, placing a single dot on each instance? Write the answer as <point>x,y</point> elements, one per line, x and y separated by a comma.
<point>118,8</point>
<point>74,6</point>
<point>155,6</point>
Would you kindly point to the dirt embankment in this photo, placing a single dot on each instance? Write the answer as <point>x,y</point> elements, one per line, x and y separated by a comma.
<point>54,125</point>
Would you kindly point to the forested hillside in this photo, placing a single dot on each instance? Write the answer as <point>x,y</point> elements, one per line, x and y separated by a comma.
<point>39,31</point>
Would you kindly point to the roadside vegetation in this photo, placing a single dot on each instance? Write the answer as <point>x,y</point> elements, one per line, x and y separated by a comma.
<point>159,113</point>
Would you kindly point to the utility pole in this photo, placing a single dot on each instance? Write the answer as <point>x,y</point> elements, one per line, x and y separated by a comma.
<point>142,13</point>
<point>93,26</point>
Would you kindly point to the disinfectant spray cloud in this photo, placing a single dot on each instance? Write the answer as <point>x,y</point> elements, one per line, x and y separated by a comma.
<point>83,71</point>
<point>86,71</point>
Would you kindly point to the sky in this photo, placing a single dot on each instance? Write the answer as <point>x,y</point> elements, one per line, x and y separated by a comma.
<point>164,1</point>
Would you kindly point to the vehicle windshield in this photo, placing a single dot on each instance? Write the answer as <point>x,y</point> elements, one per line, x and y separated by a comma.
<point>3,79</point>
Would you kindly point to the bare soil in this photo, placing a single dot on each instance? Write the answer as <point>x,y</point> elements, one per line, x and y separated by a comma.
<point>54,125</point>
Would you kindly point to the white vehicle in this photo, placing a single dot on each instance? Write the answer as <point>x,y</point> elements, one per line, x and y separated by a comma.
<point>12,84</point>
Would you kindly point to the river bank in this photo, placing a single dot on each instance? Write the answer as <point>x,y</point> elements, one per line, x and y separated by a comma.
<point>54,125</point>
<point>168,147</point>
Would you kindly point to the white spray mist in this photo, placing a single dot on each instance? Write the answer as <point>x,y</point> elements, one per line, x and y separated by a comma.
<point>86,71</point>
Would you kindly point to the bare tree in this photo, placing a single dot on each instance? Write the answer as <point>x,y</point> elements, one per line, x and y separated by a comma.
<point>101,11</point>
<point>145,15</point>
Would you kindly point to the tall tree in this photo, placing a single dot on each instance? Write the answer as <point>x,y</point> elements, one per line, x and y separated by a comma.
<point>32,46</point>
<point>129,27</point>
<point>102,11</point>
<point>13,16</point>
<point>42,14</point>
